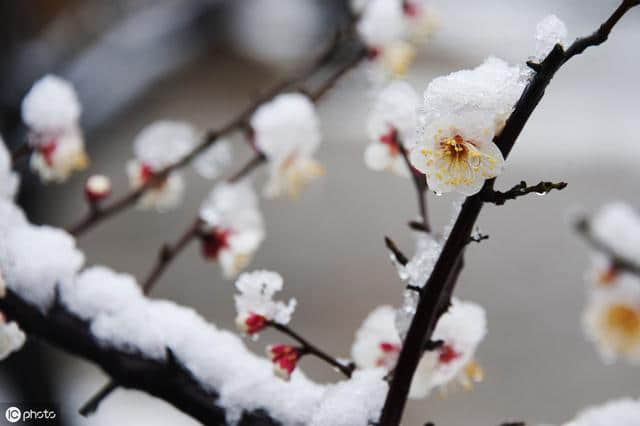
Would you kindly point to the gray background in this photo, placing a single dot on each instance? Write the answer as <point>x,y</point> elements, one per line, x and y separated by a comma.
<point>328,245</point>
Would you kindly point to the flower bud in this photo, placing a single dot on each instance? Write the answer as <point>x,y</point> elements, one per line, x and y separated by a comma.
<point>249,323</point>
<point>284,358</point>
<point>97,188</point>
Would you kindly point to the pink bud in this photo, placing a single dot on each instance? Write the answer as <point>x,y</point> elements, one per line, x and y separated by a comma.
<point>284,358</point>
<point>97,188</point>
<point>250,323</point>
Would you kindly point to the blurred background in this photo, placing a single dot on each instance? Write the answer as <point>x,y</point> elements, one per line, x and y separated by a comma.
<point>136,61</point>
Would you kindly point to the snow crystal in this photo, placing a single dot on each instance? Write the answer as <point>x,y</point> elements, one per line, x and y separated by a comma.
<point>549,32</point>
<point>618,226</point>
<point>51,104</point>
<point>163,143</point>
<point>493,87</point>
<point>348,403</point>
<point>421,264</point>
<point>214,160</point>
<point>9,181</point>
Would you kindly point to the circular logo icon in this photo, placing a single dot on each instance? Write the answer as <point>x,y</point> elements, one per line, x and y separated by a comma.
<point>13,414</point>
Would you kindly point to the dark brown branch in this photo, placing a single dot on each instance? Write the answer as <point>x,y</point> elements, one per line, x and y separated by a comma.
<point>92,404</point>
<point>20,152</point>
<point>521,189</point>
<point>420,185</point>
<point>437,291</point>
<point>393,248</point>
<point>618,260</point>
<point>309,348</point>
<point>167,380</point>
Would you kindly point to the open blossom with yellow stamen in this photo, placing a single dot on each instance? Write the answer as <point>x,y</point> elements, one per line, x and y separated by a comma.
<point>457,153</point>
<point>461,329</point>
<point>612,319</point>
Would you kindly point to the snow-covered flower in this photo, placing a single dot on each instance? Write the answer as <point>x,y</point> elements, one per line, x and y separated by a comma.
<point>457,153</point>
<point>285,359</point>
<point>619,412</point>
<point>422,20</point>
<point>392,121</point>
<point>255,304</point>
<point>612,319</point>
<point>287,132</point>
<point>378,344</point>
<point>618,226</point>
<point>549,32</point>
<point>11,337</point>
<point>97,188</point>
<point>157,147</point>
<point>51,110</point>
<point>232,226</point>
<point>9,180</point>
<point>214,160</point>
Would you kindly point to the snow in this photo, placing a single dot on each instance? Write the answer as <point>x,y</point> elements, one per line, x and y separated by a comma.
<point>9,181</point>
<point>257,289</point>
<point>163,143</point>
<point>36,259</point>
<point>549,32</point>
<point>618,226</point>
<point>11,338</point>
<point>619,412</point>
<point>51,104</point>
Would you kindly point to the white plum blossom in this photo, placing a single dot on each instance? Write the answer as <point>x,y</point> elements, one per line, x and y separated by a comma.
<point>619,412</point>
<point>255,304</point>
<point>618,226</point>
<point>392,121</point>
<point>12,338</point>
<point>462,328</point>
<point>612,318</point>
<point>9,180</point>
<point>549,32</point>
<point>392,30</point>
<point>157,147</point>
<point>214,160</point>
<point>457,153</point>
<point>287,132</point>
<point>51,110</point>
<point>232,226</point>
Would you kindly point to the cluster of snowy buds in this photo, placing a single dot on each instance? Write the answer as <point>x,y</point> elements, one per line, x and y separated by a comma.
<point>284,358</point>
<point>460,330</point>
<point>97,188</point>
<point>611,318</point>
<point>51,110</point>
<point>287,131</point>
<point>232,226</point>
<point>255,304</point>
<point>392,30</point>
<point>158,146</point>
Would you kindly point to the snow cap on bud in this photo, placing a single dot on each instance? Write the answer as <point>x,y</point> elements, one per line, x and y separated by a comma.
<point>51,104</point>
<point>284,358</point>
<point>97,188</point>
<point>249,323</point>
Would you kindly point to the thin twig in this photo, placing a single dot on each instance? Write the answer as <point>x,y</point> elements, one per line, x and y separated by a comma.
<point>438,289</point>
<point>393,248</point>
<point>521,189</point>
<point>308,347</point>
<point>92,404</point>
<point>618,261</point>
<point>420,185</point>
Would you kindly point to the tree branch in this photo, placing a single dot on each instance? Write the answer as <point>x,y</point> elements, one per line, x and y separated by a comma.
<point>521,189</point>
<point>167,380</point>
<point>420,185</point>
<point>440,285</point>
<point>393,248</point>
